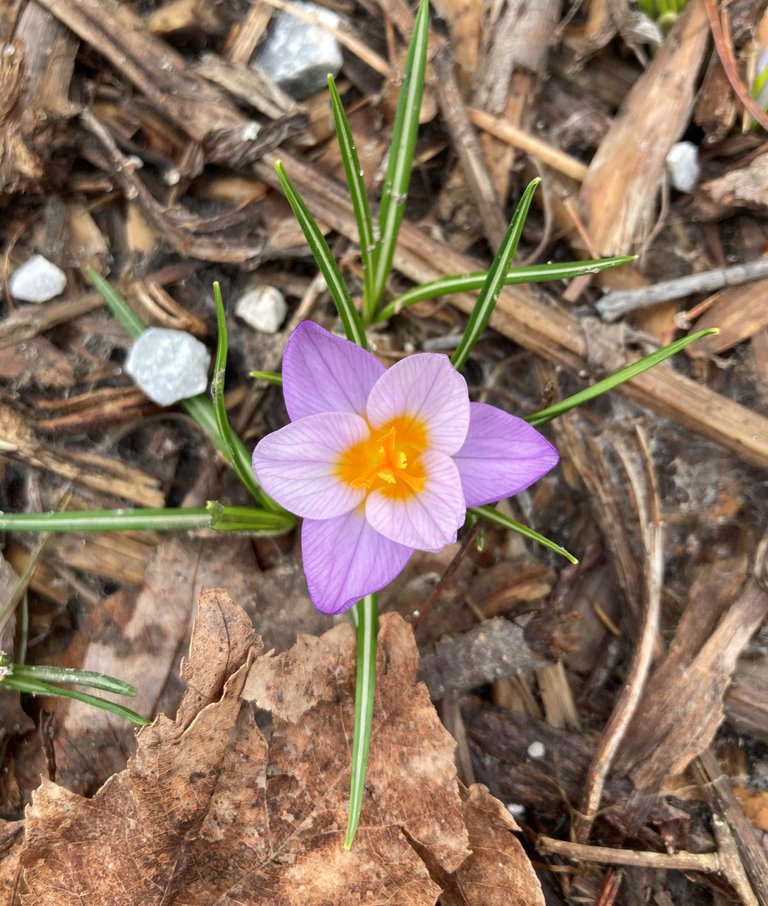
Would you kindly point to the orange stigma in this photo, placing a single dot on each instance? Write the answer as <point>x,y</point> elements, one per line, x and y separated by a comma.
<point>389,460</point>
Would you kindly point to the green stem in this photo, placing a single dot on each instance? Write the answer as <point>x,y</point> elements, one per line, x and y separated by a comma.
<point>367,619</point>
<point>214,516</point>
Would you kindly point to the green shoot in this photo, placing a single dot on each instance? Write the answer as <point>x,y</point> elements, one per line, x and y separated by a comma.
<point>401,151</point>
<point>494,282</point>
<point>350,317</point>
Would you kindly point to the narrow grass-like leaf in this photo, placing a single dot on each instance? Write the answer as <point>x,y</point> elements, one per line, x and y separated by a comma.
<point>248,519</point>
<point>494,282</point>
<point>158,520</point>
<point>366,619</point>
<point>271,377</point>
<point>496,518</point>
<point>464,283</point>
<point>116,303</point>
<point>401,150</point>
<point>618,377</point>
<point>38,687</point>
<point>19,590</point>
<point>200,408</point>
<point>358,196</point>
<point>74,677</point>
<point>242,466</point>
<point>350,317</point>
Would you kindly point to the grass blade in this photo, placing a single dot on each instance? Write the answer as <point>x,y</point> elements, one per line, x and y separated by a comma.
<point>367,621</point>
<point>75,677</point>
<point>492,515</point>
<point>350,317</point>
<point>270,377</point>
<point>116,303</point>
<point>464,283</point>
<point>359,198</point>
<point>157,520</point>
<point>38,687</point>
<point>406,125</point>
<point>242,466</point>
<point>618,377</point>
<point>494,282</point>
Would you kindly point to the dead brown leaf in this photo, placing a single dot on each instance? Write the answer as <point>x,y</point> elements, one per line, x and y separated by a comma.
<point>244,799</point>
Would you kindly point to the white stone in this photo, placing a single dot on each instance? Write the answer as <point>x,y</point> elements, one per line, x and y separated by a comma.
<point>263,307</point>
<point>299,56</point>
<point>536,749</point>
<point>37,280</point>
<point>168,365</point>
<point>683,166</point>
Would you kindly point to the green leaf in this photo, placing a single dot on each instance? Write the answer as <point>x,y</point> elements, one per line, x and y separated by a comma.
<point>618,377</point>
<point>74,677</point>
<point>38,687</point>
<point>494,282</point>
<point>464,283</point>
<point>264,522</point>
<point>359,198</point>
<point>496,518</point>
<point>366,618</point>
<point>116,303</point>
<point>271,377</point>
<point>241,465</point>
<point>401,150</point>
<point>200,408</point>
<point>350,317</point>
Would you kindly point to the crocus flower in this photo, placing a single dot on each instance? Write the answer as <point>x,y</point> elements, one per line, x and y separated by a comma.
<point>380,463</point>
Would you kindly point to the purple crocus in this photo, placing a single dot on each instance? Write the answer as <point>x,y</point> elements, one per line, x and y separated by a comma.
<point>381,462</point>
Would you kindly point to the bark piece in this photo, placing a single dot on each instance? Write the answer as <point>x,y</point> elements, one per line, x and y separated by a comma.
<point>619,191</point>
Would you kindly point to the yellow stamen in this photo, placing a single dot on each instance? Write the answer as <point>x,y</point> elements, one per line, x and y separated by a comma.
<point>389,461</point>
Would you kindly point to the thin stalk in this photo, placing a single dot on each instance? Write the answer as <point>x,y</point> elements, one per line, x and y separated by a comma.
<point>401,150</point>
<point>350,317</point>
<point>618,377</point>
<point>38,687</point>
<point>367,621</point>
<point>243,469</point>
<point>465,283</point>
<point>271,377</point>
<point>494,282</point>
<point>359,198</point>
<point>492,515</point>
<point>74,677</point>
<point>158,520</point>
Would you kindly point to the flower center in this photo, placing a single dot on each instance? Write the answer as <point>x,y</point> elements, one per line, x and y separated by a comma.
<point>389,460</point>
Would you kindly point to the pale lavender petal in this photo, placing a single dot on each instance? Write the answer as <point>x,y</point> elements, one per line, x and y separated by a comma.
<point>425,387</point>
<point>296,465</point>
<point>324,373</point>
<point>427,520</point>
<point>501,456</point>
<point>345,559</point>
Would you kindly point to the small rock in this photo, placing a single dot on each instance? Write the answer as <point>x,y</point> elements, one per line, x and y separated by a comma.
<point>683,166</point>
<point>536,749</point>
<point>37,280</point>
<point>168,365</point>
<point>298,56</point>
<point>263,307</point>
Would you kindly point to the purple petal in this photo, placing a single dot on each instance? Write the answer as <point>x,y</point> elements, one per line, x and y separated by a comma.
<point>427,520</point>
<point>297,464</point>
<point>323,373</point>
<point>429,389</point>
<point>345,559</point>
<point>501,456</point>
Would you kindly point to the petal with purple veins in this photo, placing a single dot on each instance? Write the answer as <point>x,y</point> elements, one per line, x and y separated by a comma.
<point>297,465</point>
<point>428,388</point>
<point>345,559</point>
<point>324,373</point>
<point>501,456</point>
<point>427,520</point>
